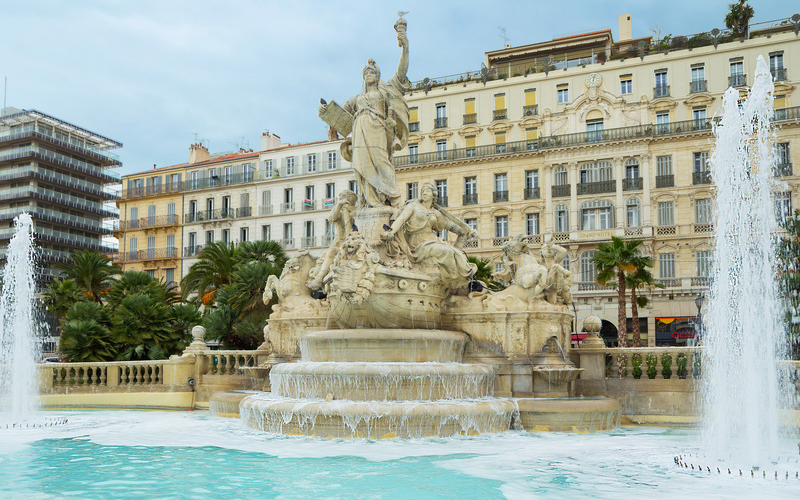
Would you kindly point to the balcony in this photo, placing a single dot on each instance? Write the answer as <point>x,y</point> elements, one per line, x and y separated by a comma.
<point>29,132</point>
<point>244,212</point>
<point>442,201</point>
<point>782,170</point>
<point>737,80</point>
<point>287,243</point>
<point>413,126</point>
<point>665,181</point>
<point>499,114</point>
<point>147,222</point>
<point>192,251</point>
<point>208,215</point>
<point>560,191</point>
<point>327,240</point>
<point>703,177</point>
<point>57,217</point>
<point>499,241</point>
<point>58,198</point>
<point>703,227</point>
<point>149,254</point>
<point>532,193</point>
<point>697,86</point>
<point>660,91</point>
<point>701,281</point>
<point>470,118</point>
<point>669,230</point>
<point>287,207</point>
<point>440,122</point>
<point>530,110</point>
<point>60,160</point>
<point>469,199</point>
<point>597,187</point>
<point>778,74</point>
<point>669,282</point>
<point>634,184</point>
<point>499,196</point>
<point>309,205</point>
<point>58,179</point>
<point>308,241</point>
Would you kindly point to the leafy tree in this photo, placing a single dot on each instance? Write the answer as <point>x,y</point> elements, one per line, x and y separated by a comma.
<point>614,260</point>
<point>60,296</point>
<point>92,272</point>
<point>485,273</point>
<point>217,263</point>
<point>739,16</point>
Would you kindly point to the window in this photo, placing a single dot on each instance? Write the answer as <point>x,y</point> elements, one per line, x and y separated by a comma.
<point>247,172</point>
<point>737,78</point>
<point>413,120</point>
<point>308,229</point>
<point>662,122</point>
<point>169,276</point>
<point>599,171</point>
<point>594,129</point>
<point>666,265</point>
<point>209,208</point>
<point>699,116</point>
<point>666,213</point>
<point>472,224</point>
<point>412,190</point>
<point>289,163</point>
<point>561,218</point>
<point>133,248</point>
<point>702,211</point>
<point>782,156</point>
<point>626,84</point>
<point>500,182</point>
<point>309,193</point>
<point>171,244</point>
<point>469,144</point>
<point>194,182</point>
<point>588,268</point>
<point>469,111</point>
<point>531,134</point>
<point>244,234</point>
<point>353,186</point>
<point>664,165</point>
<point>226,206</point>
<point>530,99</point>
<point>499,106</point>
<point>441,150</point>
<point>192,242</point>
<point>287,231</point>
<point>226,236</point>
<point>632,213</point>
<point>698,82</point>
<point>441,191</point>
<point>597,215</point>
<point>332,160</point>
<point>532,223</point>
<point>244,205</point>
<point>662,84</point>
<point>531,179</point>
<point>151,273</point>
<point>311,163</point>
<point>560,176</point>
<point>288,194</point>
<point>134,217</point>
<point>413,152</point>
<point>776,61</point>
<point>269,170</point>
<point>470,185</point>
<point>783,204</point>
<point>500,142</point>
<point>701,161</point>
<point>266,232</point>
<point>703,259</point>
<point>632,168</point>
<point>441,115</point>
<point>171,219</point>
<point>266,202</point>
<point>330,190</point>
<point>209,237</point>
<point>228,175</point>
<point>562,90</point>
<point>501,226</point>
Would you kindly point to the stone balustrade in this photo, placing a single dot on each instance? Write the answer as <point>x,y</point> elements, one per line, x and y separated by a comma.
<point>104,376</point>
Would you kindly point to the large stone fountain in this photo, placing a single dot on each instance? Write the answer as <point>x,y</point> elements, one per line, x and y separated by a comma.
<point>406,342</point>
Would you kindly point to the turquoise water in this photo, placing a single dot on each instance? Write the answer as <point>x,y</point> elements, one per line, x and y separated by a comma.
<point>125,454</point>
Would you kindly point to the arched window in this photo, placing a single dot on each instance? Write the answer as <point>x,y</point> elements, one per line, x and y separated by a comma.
<point>588,268</point>
<point>561,218</point>
<point>597,171</point>
<point>597,215</point>
<point>632,168</point>
<point>560,176</point>
<point>633,213</point>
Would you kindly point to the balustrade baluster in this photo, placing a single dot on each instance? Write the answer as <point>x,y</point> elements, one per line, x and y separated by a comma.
<point>84,376</point>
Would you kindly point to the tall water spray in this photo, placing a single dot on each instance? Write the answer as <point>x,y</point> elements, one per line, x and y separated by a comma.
<point>743,332</point>
<point>19,330</point>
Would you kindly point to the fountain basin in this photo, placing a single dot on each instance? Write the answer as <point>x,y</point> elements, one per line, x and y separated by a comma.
<point>554,381</point>
<point>384,345</point>
<point>382,381</point>
<point>580,415</point>
<point>376,420</point>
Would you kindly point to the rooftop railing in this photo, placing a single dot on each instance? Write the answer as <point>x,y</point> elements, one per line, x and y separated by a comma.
<point>41,134</point>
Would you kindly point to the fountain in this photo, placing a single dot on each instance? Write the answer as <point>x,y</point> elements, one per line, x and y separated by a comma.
<point>406,344</point>
<point>743,386</point>
<point>19,330</point>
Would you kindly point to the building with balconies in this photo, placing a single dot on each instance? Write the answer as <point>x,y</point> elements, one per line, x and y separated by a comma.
<point>582,138</point>
<point>59,173</point>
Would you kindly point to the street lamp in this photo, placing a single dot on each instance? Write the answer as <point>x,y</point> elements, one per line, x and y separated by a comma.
<point>699,322</point>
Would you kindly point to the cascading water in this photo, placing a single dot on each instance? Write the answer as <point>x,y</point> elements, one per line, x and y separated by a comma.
<point>743,335</point>
<point>19,330</point>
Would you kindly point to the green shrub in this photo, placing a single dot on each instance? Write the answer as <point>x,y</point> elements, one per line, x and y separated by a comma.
<point>636,361</point>
<point>697,368</point>
<point>651,366</point>
<point>666,366</point>
<point>682,362</point>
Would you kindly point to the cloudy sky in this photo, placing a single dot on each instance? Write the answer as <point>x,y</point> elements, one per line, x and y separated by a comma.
<point>152,74</point>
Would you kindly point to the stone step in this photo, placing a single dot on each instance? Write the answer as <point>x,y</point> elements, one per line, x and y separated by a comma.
<point>384,345</point>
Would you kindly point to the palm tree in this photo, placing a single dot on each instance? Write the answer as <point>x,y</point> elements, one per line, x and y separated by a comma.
<point>485,274</point>
<point>614,260</point>
<point>92,272</point>
<point>85,333</point>
<point>739,16</point>
<point>217,263</point>
<point>266,251</point>
<point>641,277</point>
<point>60,296</point>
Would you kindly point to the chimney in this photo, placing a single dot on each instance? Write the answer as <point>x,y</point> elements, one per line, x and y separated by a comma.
<point>625,31</point>
<point>198,153</point>
<point>333,135</point>
<point>269,141</point>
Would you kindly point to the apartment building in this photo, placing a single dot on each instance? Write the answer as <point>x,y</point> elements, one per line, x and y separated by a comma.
<point>59,173</point>
<point>580,138</point>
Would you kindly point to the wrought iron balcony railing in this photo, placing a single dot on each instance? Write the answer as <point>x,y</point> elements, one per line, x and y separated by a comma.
<point>697,86</point>
<point>530,110</point>
<point>470,118</point>
<point>660,91</point>
<point>498,196</point>
<point>287,207</point>
<point>783,170</point>
<point>244,212</point>
<point>470,199</point>
<point>413,126</point>
<point>442,201</point>
<point>664,181</point>
<point>532,193</point>
<point>500,114</point>
<point>737,80</point>
<point>597,187</point>
<point>308,241</point>
<point>632,184</point>
<point>703,177</point>
<point>560,191</point>
<point>192,250</point>
<point>778,74</point>
<point>440,122</point>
